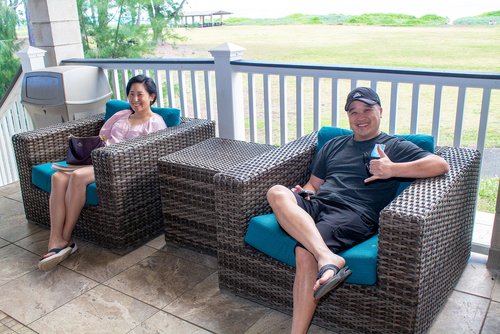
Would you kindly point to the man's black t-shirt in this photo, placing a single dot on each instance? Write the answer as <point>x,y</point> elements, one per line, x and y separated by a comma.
<point>341,163</point>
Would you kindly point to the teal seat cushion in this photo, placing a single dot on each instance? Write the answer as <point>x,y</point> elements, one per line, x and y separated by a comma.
<point>171,116</point>
<point>265,234</point>
<point>41,175</point>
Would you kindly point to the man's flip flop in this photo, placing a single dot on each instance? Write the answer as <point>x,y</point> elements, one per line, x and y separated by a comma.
<point>334,282</point>
<point>60,254</point>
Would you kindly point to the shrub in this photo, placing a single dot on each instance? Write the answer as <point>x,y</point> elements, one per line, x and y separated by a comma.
<point>478,20</point>
<point>8,45</point>
<point>396,20</point>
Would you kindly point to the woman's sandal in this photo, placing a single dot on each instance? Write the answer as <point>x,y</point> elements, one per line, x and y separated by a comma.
<point>60,254</point>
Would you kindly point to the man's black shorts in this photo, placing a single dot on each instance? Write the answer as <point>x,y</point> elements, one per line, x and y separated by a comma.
<point>339,225</point>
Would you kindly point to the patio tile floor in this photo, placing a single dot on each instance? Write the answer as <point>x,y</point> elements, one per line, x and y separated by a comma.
<point>159,288</point>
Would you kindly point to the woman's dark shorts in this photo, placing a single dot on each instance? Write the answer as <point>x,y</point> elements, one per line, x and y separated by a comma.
<point>339,225</point>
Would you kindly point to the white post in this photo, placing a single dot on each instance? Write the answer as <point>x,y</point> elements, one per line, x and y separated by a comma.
<point>230,115</point>
<point>32,59</point>
<point>494,255</point>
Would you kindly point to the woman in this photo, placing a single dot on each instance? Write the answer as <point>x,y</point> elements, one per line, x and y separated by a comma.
<point>67,197</point>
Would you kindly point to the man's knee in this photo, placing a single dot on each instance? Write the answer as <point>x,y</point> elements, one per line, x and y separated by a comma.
<point>277,192</point>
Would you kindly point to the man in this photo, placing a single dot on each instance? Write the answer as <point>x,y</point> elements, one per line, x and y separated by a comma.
<point>345,194</point>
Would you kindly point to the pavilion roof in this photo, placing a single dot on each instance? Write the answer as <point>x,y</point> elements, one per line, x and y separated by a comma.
<point>206,13</point>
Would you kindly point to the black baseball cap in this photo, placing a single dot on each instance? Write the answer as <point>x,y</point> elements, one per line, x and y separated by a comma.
<point>364,94</point>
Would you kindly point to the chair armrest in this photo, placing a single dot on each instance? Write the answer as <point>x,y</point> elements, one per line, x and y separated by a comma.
<point>130,168</point>
<point>240,193</point>
<point>426,232</point>
<point>51,143</point>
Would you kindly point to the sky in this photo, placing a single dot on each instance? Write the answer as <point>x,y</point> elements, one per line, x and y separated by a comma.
<point>452,9</point>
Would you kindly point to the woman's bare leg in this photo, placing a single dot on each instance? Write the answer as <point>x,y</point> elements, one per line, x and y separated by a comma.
<point>57,208</point>
<point>67,199</point>
<point>75,198</point>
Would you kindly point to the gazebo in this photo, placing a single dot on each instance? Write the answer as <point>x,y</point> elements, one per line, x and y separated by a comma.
<point>198,18</point>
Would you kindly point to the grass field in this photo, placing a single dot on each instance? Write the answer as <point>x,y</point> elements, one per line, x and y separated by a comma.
<point>462,48</point>
<point>446,47</point>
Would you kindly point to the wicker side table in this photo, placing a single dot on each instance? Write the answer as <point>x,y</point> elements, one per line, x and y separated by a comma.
<point>187,189</point>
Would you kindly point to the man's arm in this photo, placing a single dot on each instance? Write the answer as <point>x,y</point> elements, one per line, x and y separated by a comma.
<point>384,168</point>
<point>313,184</point>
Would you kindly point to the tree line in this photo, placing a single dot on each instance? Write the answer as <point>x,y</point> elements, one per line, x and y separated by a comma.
<point>126,28</point>
<point>109,29</point>
<point>9,44</point>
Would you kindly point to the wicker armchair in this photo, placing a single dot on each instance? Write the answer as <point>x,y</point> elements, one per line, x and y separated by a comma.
<point>424,243</point>
<point>129,211</point>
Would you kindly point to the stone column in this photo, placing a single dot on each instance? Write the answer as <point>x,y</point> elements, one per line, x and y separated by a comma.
<point>494,254</point>
<point>230,115</point>
<point>56,29</point>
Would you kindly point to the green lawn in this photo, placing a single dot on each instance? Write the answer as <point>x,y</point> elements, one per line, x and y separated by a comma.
<point>488,190</point>
<point>446,47</point>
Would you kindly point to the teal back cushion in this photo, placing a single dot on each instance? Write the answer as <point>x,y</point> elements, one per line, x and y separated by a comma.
<point>425,142</point>
<point>328,132</point>
<point>265,234</point>
<point>41,175</point>
<point>171,116</point>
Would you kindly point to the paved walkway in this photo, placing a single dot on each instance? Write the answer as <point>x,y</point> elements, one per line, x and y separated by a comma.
<point>158,288</point>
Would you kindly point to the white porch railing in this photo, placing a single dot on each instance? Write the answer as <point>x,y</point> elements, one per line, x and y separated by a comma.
<point>418,99</point>
<point>178,81</point>
<point>13,119</point>
<point>275,103</point>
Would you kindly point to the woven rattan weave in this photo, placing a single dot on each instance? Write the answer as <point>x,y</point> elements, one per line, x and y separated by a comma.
<point>129,210</point>
<point>187,190</point>
<point>424,243</point>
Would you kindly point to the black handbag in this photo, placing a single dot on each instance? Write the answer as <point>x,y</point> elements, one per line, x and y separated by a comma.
<point>80,149</point>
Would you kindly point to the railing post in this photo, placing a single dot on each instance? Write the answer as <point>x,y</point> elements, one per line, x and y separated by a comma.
<point>230,115</point>
<point>32,59</point>
<point>494,254</point>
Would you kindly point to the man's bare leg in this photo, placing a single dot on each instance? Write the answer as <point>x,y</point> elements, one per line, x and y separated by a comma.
<point>304,303</point>
<point>296,222</point>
